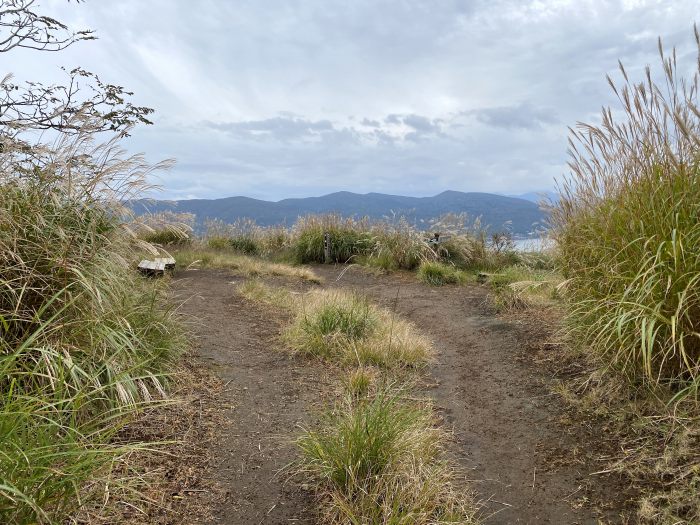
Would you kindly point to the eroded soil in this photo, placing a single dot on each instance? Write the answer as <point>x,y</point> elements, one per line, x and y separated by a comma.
<point>525,458</point>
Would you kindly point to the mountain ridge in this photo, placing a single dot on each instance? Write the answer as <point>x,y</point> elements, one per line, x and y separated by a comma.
<point>498,212</point>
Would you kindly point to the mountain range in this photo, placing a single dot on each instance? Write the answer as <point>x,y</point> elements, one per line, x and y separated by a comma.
<point>497,212</point>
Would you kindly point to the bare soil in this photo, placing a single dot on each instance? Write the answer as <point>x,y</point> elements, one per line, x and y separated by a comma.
<point>528,460</point>
<point>271,393</point>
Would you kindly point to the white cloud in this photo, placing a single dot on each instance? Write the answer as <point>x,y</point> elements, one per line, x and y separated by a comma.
<point>276,99</point>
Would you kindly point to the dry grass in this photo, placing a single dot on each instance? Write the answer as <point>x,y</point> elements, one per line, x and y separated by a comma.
<point>522,287</point>
<point>627,229</point>
<point>241,264</point>
<point>654,446</point>
<point>346,327</point>
<point>379,460</point>
<point>174,477</point>
<point>278,297</point>
<point>86,344</point>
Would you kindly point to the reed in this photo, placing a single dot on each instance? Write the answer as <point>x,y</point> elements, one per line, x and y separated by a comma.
<point>627,229</point>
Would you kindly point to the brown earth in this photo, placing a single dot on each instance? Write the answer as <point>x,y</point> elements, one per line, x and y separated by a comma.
<point>272,394</point>
<point>527,459</point>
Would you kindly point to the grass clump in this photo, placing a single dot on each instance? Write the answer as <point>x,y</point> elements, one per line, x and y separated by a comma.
<point>521,287</point>
<point>438,274</point>
<point>348,328</point>
<point>378,460</point>
<point>626,225</point>
<point>349,238</point>
<point>256,291</point>
<point>360,381</point>
<point>627,230</point>
<point>85,342</point>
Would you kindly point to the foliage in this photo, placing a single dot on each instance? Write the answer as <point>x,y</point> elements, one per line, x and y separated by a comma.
<point>627,229</point>
<point>347,328</point>
<point>438,274</point>
<point>377,460</point>
<point>84,341</point>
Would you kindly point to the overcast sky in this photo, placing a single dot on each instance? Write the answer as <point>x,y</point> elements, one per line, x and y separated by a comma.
<point>275,99</point>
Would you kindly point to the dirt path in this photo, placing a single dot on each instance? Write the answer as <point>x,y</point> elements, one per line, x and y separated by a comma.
<point>525,464</point>
<point>511,435</point>
<point>270,394</point>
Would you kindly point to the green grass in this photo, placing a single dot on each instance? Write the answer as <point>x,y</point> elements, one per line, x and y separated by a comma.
<point>379,460</point>
<point>347,328</point>
<point>348,238</point>
<point>627,230</point>
<point>167,237</point>
<point>439,274</point>
<point>85,342</point>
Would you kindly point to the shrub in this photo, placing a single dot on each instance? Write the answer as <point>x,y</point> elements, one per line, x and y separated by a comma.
<point>438,274</point>
<point>628,233</point>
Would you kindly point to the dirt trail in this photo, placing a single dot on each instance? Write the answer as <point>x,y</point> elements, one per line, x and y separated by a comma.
<point>525,465</point>
<point>271,395</point>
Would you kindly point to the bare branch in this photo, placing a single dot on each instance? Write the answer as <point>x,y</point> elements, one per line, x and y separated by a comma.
<point>22,27</point>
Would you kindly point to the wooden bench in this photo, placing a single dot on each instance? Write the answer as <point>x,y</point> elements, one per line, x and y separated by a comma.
<point>157,267</point>
<point>168,261</point>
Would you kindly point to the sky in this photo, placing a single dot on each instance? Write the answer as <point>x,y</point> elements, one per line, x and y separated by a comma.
<point>274,99</point>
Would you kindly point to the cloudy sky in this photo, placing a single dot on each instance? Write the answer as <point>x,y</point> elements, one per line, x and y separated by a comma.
<point>275,99</point>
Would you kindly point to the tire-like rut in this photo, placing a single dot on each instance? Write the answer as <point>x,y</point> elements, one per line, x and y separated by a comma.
<point>271,394</point>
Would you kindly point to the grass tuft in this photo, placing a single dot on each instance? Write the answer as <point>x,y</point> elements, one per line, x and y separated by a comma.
<point>378,460</point>
<point>346,327</point>
<point>438,274</point>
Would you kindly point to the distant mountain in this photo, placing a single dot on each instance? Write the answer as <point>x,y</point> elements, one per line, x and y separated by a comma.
<point>536,196</point>
<point>496,211</point>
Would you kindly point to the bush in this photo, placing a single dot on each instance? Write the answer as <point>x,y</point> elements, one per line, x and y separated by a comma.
<point>628,232</point>
<point>438,274</point>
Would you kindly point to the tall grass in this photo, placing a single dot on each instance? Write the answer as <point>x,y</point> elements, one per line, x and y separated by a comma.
<point>196,257</point>
<point>378,460</point>
<point>166,228</point>
<point>438,274</point>
<point>84,341</point>
<point>628,233</point>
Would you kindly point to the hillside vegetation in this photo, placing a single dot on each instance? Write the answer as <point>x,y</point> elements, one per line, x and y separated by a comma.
<point>628,236</point>
<point>496,211</point>
<point>84,341</point>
